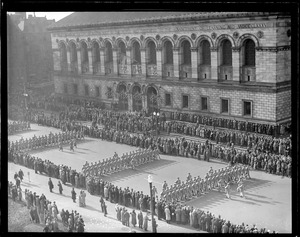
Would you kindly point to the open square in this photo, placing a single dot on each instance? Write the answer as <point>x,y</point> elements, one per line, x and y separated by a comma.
<point>267,203</point>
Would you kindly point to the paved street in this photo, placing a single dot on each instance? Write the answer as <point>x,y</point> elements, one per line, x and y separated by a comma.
<point>267,203</point>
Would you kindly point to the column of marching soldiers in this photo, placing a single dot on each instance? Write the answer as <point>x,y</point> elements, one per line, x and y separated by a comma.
<point>115,164</point>
<point>219,180</point>
<point>53,139</point>
<point>179,192</point>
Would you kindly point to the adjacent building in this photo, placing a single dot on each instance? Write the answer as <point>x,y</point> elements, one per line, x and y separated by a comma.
<point>230,65</point>
<point>30,62</point>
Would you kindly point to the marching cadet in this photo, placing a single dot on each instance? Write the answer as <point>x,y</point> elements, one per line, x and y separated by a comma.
<point>189,177</point>
<point>220,184</point>
<point>227,189</point>
<point>164,186</point>
<point>240,188</point>
<point>177,181</point>
<point>210,171</point>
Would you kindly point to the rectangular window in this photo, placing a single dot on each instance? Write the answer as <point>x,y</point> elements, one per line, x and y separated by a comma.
<point>204,103</point>
<point>86,90</point>
<point>185,101</point>
<point>75,87</point>
<point>65,88</point>
<point>97,91</point>
<point>168,100</point>
<point>247,107</point>
<point>224,106</point>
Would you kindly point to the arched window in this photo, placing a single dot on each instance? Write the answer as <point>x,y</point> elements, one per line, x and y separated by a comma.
<point>249,53</point>
<point>108,52</point>
<point>122,53</point>
<point>73,52</point>
<point>95,52</point>
<point>186,52</point>
<point>84,53</point>
<point>226,53</point>
<point>63,57</point>
<point>168,52</point>
<point>151,53</point>
<point>136,53</point>
<point>205,53</point>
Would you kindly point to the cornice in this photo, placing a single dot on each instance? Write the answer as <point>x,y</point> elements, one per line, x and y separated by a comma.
<point>167,19</point>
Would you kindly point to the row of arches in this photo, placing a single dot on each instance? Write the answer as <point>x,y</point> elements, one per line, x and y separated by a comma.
<point>103,59</point>
<point>136,90</point>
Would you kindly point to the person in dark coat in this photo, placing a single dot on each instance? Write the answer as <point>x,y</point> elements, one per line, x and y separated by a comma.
<point>73,195</point>
<point>133,218</point>
<point>126,217</point>
<point>140,217</point>
<point>101,203</point>
<point>50,184</point>
<point>60,188</point>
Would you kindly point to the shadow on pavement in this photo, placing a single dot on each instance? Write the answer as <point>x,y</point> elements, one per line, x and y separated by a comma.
<point>145,168</point>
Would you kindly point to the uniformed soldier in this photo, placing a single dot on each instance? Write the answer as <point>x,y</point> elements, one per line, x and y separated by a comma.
<point>227,189</point>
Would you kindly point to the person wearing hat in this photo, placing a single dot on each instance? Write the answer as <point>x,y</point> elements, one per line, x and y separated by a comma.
<point>145,221</point>
<point>50,184</point>
<point>168,214</point>
<point>60,188</point>
<point>126,217</point>
<point>133,218</point>
<point>140,218</point>
<point>73,193</point>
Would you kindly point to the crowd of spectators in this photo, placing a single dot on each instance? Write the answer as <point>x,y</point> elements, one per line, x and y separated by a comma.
<point>137,200</point>
<point>43,211</point>
<point>18,126</point>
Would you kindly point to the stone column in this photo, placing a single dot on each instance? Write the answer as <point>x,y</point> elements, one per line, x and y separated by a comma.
<point>144,101</point>
<point>143,61</point>
<point>159,62</point>
<point>79,60</point>
<point>235,64</point>
<point>194,62</point>
<point>129,102</point>
<point>128,54</point>
<point>90,61</point>
<point>214,63</point>
<point>102,69</point>
<point>69,60</point>
<point>176,62</point>
<point>115,61</point>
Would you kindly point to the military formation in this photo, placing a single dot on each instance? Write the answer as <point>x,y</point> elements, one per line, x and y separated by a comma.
<point>53,139</point>
<point>116,163</point>
<point>220,180</point>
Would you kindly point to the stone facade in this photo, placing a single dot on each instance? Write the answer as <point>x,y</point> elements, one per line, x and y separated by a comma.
<point>235,82</point>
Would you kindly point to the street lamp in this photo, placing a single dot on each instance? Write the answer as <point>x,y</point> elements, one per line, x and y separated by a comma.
<point>156,116</point>
<point>150,180</point>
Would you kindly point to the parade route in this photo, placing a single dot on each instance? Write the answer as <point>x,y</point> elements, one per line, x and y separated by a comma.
<point>267,203</point>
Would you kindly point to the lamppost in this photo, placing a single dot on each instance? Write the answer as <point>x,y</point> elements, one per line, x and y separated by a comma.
<point>156,116</point>
<point>150,180</point>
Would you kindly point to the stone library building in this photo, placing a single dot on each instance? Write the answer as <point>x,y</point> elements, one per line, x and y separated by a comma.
<point>233,65</point>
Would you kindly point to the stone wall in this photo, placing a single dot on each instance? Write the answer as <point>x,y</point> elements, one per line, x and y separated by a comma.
<point>283,105</point>
<point>263,104</point>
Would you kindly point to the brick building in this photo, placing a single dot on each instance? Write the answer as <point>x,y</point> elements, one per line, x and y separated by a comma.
<point>16,63</point>
<point>30,62</point>
<point>230,65</point>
